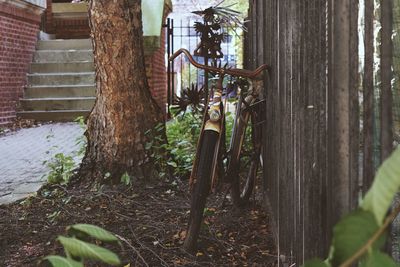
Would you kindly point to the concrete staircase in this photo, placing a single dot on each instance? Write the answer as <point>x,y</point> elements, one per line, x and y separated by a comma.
<point>61,81</point>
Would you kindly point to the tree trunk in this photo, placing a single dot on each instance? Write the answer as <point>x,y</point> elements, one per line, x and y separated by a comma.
<point>124,109</point>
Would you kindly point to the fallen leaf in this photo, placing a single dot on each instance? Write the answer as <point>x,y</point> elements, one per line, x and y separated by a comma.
<point>183,234</point>
<point>211,249</point>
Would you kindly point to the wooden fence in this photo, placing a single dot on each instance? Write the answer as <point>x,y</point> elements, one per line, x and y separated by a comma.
<point>313,141</point>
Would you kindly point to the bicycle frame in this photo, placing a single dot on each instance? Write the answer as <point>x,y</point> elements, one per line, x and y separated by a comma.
<point>214,117</point>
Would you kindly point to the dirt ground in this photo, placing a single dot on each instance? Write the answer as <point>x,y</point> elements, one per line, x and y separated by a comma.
<point>18,124</point>
<point>150,219</point>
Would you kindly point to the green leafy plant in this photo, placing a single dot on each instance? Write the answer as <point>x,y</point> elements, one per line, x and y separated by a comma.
<point>78,249</point>
<point>126,179</point>
<point>177,155</point>
<point>183,132</point>
<point>62,166</point>
<point>81,141</point>
<point>157,149</point>
<point>359,236</point>
<point>61,169</point>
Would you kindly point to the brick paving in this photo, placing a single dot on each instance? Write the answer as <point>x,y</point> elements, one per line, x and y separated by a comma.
<point>22,156</point>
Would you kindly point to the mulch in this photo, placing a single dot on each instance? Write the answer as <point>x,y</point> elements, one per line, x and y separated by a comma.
<point>150,218</point>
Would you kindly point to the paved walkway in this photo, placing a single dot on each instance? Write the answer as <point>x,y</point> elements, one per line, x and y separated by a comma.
<point>22,154</point>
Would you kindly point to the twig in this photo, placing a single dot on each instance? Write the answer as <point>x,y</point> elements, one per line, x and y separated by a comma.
<point>376,235</point>
<point>134,249</point>
<point>163,263</point>
<point>122,215</point>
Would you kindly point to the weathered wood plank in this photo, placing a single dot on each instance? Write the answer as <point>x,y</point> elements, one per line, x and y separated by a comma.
<point>368,96</point>
<point>307,135</point>
<point>341,107</point>
<point>386,50</point>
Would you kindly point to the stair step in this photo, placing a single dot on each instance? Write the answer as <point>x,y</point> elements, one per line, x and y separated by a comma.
<point>66,78</point>
<point>60,91</point>
<point>46,104</point>
<point>62,67</point>
<point>61,85</point>
<point>61,44</point>
<point>59,56</point>
<point>53,115</point>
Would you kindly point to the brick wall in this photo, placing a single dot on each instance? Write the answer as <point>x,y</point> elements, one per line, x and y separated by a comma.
<point>65,28</point>
<point>49,28</point>
<point>157,74</point>
<point>155,62</point>
<point>18,35</point>
<point>71,28</point>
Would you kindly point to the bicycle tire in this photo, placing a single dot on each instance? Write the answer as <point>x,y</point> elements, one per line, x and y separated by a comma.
<point>201,189</point>
<point>243,177</point>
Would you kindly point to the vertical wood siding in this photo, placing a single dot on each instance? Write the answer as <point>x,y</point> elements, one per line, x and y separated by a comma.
<point>311,132</point>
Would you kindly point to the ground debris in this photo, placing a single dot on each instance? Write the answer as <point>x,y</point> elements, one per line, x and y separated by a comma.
<point>150,222</point>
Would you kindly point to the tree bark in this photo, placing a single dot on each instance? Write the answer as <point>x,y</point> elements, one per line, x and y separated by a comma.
<point>124,109</point>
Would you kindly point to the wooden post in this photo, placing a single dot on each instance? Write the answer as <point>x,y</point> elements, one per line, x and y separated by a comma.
<point>368,96</point>
<point>386,78</point>
<point>343,108</point>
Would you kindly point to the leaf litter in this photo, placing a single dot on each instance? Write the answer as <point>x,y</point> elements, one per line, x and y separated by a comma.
<point>150,219</point>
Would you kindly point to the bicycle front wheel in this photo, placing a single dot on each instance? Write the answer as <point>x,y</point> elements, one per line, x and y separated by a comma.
<point>201,188</point>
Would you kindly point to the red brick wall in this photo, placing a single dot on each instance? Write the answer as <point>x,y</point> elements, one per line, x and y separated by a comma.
<point>49,28</point>
<point>74,28</point>
<point>18,36</point>
<point>155,63</point>
<point>157,74</point>
<point>71,28</point>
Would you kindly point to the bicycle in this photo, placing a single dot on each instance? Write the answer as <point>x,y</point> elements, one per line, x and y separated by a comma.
<point>211,145</point>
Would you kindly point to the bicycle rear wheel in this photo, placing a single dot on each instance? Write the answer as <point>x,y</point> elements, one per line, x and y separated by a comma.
<point>245,158</point>
<point>201,189</point>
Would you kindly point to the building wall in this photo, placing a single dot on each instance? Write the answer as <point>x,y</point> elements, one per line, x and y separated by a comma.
<point>48,17</point>
<point>18,35</point>
<point>71,28</point>
<point>67,27</point>
<point>154,60</point>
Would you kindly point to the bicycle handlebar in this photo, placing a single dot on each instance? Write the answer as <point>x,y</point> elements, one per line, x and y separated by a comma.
<point>234,72</point>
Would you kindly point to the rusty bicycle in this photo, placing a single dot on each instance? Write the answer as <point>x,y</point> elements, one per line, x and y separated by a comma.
<point>241,163</point>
